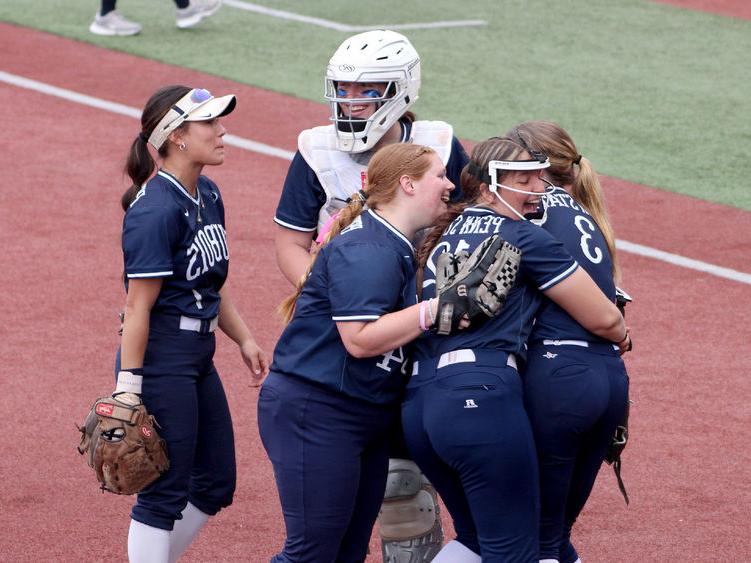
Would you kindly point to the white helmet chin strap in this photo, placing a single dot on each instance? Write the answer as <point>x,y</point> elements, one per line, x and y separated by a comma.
<point>517,190</point>
<point>494,190</point>
<point>494,166</point>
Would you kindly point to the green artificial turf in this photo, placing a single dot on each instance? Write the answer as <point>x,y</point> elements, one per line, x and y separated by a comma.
<point>651,93</point>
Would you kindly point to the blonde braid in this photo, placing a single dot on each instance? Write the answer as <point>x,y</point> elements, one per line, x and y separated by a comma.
<point>345,217</point>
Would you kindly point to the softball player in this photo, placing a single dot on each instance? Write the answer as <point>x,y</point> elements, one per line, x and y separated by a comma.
<point>463,415</point>
<point>372,81</point>
<point>336,380</point>
<point>575,383</point>
<point>176,260</point>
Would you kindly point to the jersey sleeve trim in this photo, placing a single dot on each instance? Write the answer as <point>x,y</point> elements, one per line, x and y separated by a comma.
<point>560,277</point>
<point>151,274</point>
<point>356,318</point>
<point>293,227</point>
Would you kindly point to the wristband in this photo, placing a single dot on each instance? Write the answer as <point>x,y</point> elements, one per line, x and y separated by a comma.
<point>431,314</point>
<point>623,339</point>
<point>423,305</point>
<point>129,381</point>
<point>630,342</point>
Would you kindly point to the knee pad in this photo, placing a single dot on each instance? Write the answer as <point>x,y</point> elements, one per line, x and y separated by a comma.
<point>409,521</point>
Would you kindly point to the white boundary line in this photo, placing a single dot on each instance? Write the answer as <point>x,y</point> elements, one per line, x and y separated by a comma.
<point>128,111</point>
<point>679,260</point>
<point>248,7</point>
<point>268,150</point>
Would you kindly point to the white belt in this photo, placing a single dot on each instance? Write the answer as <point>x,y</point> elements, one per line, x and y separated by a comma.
<point>582,343</point>
<point>189,323</point>
<point>461,356</point>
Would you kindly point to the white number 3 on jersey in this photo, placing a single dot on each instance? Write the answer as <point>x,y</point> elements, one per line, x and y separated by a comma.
<point>591,251</point>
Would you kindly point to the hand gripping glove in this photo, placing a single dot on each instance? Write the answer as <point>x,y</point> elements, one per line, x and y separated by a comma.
<point>123,447</point>
<point>621,300</point>
<point>479,286</point>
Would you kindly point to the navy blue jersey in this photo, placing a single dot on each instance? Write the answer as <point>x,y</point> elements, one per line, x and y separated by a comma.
<point>169,234</point>
<point>366,271</point>
<point>303,196</point>
<point>544,263</point>
<point>574,227</point>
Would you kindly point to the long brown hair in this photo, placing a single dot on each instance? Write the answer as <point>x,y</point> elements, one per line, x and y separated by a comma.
<point>565,159</point>
<point>140,164</point>
<point>385,169</point>
<point>473,177</point>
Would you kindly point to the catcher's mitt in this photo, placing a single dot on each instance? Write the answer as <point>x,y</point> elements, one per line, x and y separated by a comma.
<point>616,447</point>
<point>122,444</point>
<point>474,285</point>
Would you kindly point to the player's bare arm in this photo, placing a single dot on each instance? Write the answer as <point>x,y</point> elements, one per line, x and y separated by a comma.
<point>292,252</point>
<point>235,328</point>
<point>142,293</point>
<point>580,297</point>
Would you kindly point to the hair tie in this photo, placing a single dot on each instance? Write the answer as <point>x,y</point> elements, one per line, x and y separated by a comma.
<point>577,160</point>
<point>360,194</point>
<point>143,136</point>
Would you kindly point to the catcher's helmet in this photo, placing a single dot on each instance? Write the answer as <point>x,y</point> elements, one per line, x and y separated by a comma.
<point>379,56</point>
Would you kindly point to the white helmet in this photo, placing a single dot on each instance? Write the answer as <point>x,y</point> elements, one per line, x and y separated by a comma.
<point>374,56</point>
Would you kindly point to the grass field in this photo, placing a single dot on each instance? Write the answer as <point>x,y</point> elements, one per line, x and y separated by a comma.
<point>653,94</point>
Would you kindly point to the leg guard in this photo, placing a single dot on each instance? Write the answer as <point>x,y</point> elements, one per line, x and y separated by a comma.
<point>457,552</point>
<point>409,521</point>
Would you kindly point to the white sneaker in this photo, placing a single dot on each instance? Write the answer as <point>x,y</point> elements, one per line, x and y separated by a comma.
<point>196,11</point>
<point>113,24</point>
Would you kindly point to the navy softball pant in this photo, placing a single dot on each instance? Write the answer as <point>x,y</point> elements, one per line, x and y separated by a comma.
<point>330,458</point>
<point>466,428</point>
<point>182,389</point>
<point>575,397</point>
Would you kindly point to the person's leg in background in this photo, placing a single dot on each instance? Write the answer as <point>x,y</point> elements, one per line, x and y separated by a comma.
<point>191,12</point>
<point>108,21</point>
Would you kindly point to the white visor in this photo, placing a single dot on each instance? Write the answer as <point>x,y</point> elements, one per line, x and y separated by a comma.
<point>196,105</point>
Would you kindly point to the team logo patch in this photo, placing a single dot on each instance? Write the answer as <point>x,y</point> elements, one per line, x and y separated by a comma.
<point>470,404</point>
<point>146,432</point>
<point>103,409</point>
<point>356,224</point>
<point>549,355</point>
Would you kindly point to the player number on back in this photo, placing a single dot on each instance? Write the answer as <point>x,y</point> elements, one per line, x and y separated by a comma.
<point>591,251</point>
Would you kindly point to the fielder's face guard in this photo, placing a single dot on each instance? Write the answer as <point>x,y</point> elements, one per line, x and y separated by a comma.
<point>538,161</point>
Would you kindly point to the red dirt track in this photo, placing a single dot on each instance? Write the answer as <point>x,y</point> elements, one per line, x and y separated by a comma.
<point>687,464</point>
<point>732,8</point>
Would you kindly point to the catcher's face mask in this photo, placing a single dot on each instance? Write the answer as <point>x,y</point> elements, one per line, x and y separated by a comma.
<point>497,168</point>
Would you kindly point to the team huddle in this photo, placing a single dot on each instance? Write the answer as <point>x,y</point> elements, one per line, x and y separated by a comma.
<point>452,330</point>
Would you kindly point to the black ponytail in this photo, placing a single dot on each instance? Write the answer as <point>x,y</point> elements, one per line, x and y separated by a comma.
<point>140,165</point>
